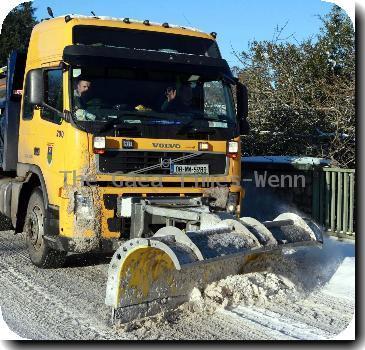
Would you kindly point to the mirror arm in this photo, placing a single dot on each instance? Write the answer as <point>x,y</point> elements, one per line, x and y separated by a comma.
<point>59,113</point>
<point>69,118</point>
<point>230,80</point>
<point>242,108</point>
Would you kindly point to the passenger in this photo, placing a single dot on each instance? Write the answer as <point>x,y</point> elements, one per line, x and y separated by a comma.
<point>80,106</point>
<point>181,102</point>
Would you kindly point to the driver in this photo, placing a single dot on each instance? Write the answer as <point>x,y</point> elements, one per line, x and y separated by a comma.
<point>82,86</point>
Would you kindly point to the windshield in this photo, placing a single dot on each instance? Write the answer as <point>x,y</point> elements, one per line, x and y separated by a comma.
<point>121,96</point>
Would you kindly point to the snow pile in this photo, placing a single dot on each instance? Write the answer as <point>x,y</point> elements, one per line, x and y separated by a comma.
<point>269,278</point>
<point>255,288</point>
<point>251,289</point>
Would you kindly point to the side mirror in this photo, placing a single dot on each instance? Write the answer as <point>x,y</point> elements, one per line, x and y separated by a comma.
<point>36,87</point>
<point>242,108</point>
<point>36,94</point>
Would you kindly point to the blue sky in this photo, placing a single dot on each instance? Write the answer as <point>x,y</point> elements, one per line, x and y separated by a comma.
<point>236,21</point>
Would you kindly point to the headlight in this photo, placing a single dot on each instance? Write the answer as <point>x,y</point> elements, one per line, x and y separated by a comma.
<point>232,203</point>
<point>232,149</point>
<point>99,144</point>
<point>84,207</point>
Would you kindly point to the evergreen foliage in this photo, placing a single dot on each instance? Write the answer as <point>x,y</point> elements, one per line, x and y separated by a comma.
<point>302,95</point>
<point>16,30</point>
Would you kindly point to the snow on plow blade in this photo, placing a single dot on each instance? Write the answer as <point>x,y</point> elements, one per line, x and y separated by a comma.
<point>150,275</point>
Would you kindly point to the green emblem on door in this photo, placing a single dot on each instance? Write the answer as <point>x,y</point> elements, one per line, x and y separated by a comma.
<point>49,154</point>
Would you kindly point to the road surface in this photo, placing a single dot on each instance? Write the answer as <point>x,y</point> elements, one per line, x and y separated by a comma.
<point>305,295</point>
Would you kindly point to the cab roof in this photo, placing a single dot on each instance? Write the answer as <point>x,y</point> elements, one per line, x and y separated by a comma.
<point>73,19</point>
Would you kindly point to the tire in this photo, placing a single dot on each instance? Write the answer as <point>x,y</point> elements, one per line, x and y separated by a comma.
<point>39,252</point>
<point>5,223</point>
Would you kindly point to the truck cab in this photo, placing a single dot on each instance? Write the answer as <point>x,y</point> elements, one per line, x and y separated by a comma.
<point>113,111</point>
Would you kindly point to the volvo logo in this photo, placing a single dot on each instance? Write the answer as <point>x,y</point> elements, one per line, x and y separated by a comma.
<point>166,145</point>
<point>165,163</point>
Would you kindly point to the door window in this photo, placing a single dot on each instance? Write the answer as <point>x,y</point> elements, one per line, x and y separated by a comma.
<point>53,94</point>
<point>27,107</point>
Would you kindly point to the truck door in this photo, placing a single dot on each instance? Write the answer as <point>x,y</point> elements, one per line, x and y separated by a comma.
<point>43,133</point>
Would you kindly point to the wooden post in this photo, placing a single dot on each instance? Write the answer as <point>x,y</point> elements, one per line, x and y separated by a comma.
<point>322,194</point>
<point>328,199</point>
<point>339,201</point>
<point>351,214</point>
<point>315,196</point>
<point>333,201</point>
<point>345,202</point>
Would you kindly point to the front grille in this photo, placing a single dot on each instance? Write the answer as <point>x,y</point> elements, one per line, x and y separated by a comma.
<point>133,161</point>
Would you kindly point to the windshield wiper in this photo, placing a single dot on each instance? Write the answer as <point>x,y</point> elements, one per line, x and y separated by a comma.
<point>202,116</point>
<point>144,115</point>
<point>212,119</point>
<point>194,131</point>
<point>119,121</point>
<point>117,127</point>
<point>203,132</point>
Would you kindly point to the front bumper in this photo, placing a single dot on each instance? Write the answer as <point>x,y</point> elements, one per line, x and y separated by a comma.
<point>107,229</point>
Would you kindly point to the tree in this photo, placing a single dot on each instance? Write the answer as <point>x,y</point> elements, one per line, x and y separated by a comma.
<point>16,30</point>
<point>302,95</point>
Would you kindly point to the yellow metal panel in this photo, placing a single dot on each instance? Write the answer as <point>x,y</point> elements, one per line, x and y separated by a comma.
<point>141,268</point>
<point>158,144</point>
<point>47,42</point>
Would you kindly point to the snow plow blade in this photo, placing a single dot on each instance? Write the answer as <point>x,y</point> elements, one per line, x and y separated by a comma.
<point>150,275</point>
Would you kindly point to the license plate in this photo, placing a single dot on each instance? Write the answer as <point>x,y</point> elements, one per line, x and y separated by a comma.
<point>199,169</point>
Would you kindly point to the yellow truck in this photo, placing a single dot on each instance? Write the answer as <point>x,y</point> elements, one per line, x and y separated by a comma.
<point>124,136</point>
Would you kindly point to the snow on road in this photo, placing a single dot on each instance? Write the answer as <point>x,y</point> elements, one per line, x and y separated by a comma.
<point>284,326</point>
<point>68,303</point>
<point>5,332</point>
<point>342,283</point>
<point>278,326</point>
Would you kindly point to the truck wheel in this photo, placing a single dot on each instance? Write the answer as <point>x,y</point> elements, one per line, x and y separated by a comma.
<point>40,253</point>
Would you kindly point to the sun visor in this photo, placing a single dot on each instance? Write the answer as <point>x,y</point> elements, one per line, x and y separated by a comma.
<point>86,55</point>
